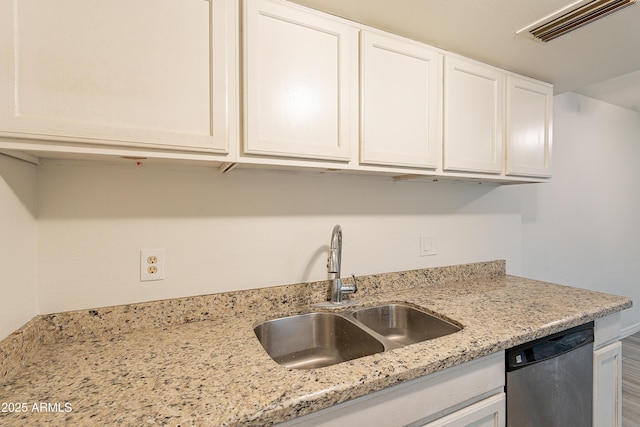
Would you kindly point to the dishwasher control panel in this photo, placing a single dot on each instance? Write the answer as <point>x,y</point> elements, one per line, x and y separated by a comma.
<point>550,346</point>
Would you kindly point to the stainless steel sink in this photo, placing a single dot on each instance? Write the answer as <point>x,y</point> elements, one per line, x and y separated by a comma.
<point>315,340</point>
<point>403,324</point>
<point>319,339</point>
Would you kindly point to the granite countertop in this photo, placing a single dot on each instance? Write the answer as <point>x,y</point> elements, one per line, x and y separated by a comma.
<point>196,361</point>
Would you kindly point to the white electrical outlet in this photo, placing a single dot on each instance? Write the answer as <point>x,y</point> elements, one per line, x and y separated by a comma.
<point>427,246</point>
<point>151,264</point>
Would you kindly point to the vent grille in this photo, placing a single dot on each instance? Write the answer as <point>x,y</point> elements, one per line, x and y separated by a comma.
<point>577,18</point>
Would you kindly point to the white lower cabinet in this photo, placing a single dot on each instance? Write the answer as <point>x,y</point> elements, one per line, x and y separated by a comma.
<point>464,395</point>
<point>490,412</point>
<point>607,373</point>
<point>607,385</point>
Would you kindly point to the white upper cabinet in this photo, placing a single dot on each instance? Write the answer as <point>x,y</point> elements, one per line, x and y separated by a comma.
<point>528,132</point>
<point>119,72</point>
<point>300,83</point>
<point>280,85</point>
<point>473,116</point>
<point>401,100</point>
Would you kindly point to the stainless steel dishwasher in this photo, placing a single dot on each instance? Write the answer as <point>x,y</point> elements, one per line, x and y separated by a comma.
<point>550,380</point>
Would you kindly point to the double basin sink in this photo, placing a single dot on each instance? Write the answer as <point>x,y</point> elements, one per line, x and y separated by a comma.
<point>319,339</point>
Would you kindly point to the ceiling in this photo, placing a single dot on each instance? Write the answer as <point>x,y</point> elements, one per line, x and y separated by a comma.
<point>601,60</point>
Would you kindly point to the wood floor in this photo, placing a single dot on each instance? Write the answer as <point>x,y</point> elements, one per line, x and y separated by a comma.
<point>631,381</point>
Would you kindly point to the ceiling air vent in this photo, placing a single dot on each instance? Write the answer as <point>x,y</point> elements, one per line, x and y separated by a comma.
<point>577,18</point>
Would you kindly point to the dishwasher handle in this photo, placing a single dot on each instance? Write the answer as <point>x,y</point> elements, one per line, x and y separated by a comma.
<point>548,347</point>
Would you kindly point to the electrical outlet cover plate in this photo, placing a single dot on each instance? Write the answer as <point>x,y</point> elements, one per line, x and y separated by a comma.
<point>151,264</point>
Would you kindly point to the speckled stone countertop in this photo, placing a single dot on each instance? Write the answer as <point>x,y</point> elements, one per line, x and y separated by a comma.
<point>196,361</point>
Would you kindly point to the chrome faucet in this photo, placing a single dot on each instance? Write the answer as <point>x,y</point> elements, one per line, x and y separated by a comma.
<point>334,266</point>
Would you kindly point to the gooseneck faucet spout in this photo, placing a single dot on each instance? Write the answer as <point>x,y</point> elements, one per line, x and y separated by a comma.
<point>334,264</point>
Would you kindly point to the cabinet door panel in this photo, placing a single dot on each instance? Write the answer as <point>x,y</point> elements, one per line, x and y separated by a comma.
<point>401,98</point>
<point>473,117</point>
<point>607,385</point>
<point>490,412</point>
<point>121,70</point>
<point>528,127</point>
<point>299,82</point>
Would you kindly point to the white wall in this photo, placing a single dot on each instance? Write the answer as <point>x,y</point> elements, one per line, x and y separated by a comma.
<point>583,228</point>
<point>18,262</point>
<point>248,228</point>
<point>255,228</point>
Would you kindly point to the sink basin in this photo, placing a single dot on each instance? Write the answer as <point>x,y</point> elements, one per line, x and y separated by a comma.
<point>315,340</point>
<point>403,324</point>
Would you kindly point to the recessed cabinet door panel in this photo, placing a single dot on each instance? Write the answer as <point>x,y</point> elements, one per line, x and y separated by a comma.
<point>490,412</point>
<point>473,117</point>
<point>607,376</point>
<point>401,98</point>
<point>300,78</point>
<point>141,71</point>
<point>528,127</point>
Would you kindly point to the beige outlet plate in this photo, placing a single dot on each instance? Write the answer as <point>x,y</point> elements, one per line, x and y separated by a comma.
<point>151,264</point>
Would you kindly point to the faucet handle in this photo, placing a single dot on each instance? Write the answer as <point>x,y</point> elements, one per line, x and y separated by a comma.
<point>350,289</point>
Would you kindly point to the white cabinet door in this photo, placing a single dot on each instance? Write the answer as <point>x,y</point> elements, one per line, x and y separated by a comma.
<point>607,386</point>
<point>301,82</point>
<point>490,412</point>
<point>401,98</point>
<point>528,127</point>
<point>118,72</point>
<point>473,116</point>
